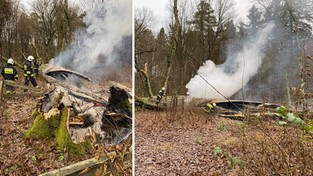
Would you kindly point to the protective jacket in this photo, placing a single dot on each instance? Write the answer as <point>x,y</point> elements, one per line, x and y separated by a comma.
<point>9,72</point>
<point>28,69</point>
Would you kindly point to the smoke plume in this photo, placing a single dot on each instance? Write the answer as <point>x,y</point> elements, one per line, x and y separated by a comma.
<point>235,73</point>
<point>102,43</point>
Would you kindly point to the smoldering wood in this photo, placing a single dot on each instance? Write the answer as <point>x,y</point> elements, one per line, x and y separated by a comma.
<point>115,84</point>
<point>104,114</point>
<point>119,116</point>
<point>92,115</point>
<point>118,101</point>
<point>79,109</point>
<point>87,98</point>
<point>77,91</point>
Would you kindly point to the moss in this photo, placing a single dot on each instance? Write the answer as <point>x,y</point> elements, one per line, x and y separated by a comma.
<point>35,113</point>
<point>58,99</point>
<point>42,128</point>
<point>64,139</point>
<point>56,127</point>
<point>126,105</point>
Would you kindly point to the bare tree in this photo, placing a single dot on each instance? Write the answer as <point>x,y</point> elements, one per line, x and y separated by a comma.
<point>54,22</point>
<point>24,31</point>
<point>143,20</point>
<point>174,43</point>
<point>5,14</point>
<point>225,12</point>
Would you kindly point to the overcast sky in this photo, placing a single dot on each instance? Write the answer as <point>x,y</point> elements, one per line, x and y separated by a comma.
<point>27,3</point>
<point>159,9</point>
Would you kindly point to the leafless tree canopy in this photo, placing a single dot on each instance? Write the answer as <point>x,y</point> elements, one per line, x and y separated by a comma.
<point>43,30</point>
<point>208,31</point>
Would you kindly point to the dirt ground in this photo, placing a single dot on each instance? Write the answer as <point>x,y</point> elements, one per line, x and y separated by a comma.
<point>168,144</point>
<point>193,142</point>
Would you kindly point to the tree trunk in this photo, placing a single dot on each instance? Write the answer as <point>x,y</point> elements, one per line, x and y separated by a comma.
<point>174,46</point>
<point>146,80</point>
<point>36,49</point>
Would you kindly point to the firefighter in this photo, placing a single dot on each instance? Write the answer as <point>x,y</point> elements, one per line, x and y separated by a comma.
<point>36,66</point>
<point>9,73</point>
<point>29,72</point>
<point>160,95</point>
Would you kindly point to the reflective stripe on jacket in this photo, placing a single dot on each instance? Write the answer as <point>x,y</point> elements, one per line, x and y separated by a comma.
<point>28,69</point>
<point>9,72</point>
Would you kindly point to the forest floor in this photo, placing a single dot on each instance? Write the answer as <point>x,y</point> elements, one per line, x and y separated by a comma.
<point>165,146</point>
<point>197,143</point>
<point>27,156</point>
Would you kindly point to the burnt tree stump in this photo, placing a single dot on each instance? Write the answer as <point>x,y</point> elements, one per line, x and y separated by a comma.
<point>118,101</point>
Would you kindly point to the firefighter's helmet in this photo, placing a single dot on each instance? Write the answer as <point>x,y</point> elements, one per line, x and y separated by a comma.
<point>30,58</point>
<point>10,61</point>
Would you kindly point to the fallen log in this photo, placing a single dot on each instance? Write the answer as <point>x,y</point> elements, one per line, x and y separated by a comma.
<point>80,166</point>
<point>26,94</point>
<point>145,104</point>
<point>13,84</point>
<point>34,92</point>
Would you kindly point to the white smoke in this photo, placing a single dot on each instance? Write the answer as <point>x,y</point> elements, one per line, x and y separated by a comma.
<point>107,23</point>
<point>243,66</point>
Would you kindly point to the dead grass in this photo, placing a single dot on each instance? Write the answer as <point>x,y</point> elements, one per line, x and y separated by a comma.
<point>250,147</point>
<point>270,149</point>
<point>175,143</point>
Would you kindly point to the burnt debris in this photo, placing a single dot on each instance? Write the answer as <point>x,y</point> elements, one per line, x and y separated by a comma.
<point>101,112</point>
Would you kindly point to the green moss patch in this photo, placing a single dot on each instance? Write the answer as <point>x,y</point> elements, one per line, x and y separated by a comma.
<point>64,139</point>
<point>35,113</point>
<point>56,127</point>
<point>43,128</point>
